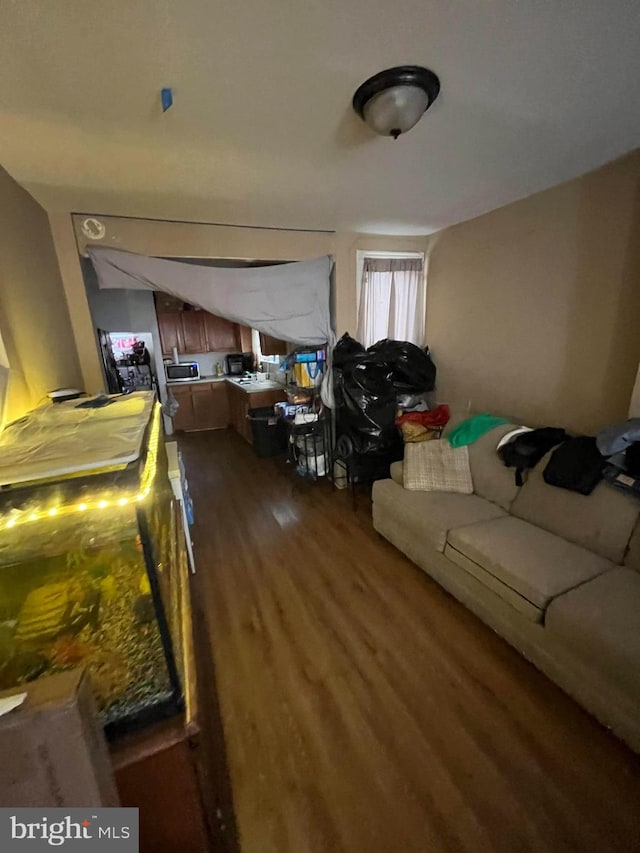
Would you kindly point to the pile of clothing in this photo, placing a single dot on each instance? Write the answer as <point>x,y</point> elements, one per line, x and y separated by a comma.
<point>620,443</point>
<point>577,463</point>
<point>419,423</point>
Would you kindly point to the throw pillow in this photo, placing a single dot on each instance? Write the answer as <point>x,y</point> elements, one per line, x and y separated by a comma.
<point>435,466</point>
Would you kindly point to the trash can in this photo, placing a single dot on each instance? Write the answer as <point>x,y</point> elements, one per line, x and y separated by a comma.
<point>269,432</point>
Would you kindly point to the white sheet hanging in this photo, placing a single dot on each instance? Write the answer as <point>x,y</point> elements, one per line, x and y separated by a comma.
<point>286,301</point>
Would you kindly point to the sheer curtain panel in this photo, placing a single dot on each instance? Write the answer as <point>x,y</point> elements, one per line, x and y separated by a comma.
<point>391,300</point>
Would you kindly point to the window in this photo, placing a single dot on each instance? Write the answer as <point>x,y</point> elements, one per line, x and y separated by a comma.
<point>391,298</point>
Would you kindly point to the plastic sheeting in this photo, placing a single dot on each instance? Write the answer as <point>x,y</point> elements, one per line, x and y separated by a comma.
<point>286,301</point>
<point>60,439</point>
<point>4,381</point>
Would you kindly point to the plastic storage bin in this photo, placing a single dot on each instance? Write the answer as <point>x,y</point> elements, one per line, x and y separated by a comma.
<point>269,432</point>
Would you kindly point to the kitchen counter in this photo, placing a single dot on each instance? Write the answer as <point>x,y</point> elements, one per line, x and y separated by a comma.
<point>247,387</point>
<point>208,379</point>
<point>215,402</point>
<point>256,387</point>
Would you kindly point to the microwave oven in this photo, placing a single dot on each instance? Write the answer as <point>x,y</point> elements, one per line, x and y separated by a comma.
<point>185,372</point>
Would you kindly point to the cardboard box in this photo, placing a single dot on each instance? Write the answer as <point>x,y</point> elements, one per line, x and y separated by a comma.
<point>52,747</point>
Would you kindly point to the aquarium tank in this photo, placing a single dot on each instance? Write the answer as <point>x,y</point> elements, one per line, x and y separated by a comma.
<point>91,550</point>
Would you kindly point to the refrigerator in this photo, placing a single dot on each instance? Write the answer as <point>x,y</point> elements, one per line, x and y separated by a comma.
<point>127,360</point>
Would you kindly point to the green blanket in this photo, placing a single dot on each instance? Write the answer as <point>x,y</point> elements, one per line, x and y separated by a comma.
<point>473,428</point>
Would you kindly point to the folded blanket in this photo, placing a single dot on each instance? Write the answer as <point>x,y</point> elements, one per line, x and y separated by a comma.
<point>473,428</point>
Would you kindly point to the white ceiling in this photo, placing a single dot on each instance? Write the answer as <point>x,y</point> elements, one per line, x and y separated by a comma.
<point>262,133</point>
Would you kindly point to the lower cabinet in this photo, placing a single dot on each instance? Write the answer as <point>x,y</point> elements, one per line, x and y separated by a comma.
<point>240,402</point>
<point>183,418</point>
<point>238,411</point>
<point>203,405</point>
<point>234,401</point>
<point>215,405</point>
<point>210,406</point>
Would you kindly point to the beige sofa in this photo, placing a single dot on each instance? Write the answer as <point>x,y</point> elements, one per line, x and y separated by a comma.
<point>555,573</point>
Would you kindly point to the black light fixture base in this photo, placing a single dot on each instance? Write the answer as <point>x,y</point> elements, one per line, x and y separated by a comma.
<point>401,75</point>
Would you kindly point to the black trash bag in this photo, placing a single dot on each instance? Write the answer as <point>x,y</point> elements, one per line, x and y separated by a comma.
<point>411,367</point>
<point>371,420</point>
<point>366,415</point>
<point>367,386</point>
<point>346,349</point>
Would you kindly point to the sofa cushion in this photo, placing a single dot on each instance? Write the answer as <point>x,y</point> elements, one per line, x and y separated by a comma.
<point>430,515</point>
<point>531,562</point>
<point>519,603</point>
<point>396,473</point>
<point>599,622</point>
<point>601,522</point>
<point>632,557</point>
<point>435,466</point>
<point>491,478</point>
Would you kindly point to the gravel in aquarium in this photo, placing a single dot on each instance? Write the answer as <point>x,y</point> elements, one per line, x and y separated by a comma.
<point>123,653</point>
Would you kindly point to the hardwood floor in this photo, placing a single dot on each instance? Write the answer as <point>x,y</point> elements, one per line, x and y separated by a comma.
<point>364,709</point>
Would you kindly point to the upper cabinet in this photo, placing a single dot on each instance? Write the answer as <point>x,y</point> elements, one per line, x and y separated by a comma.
<point>272,346</point>
<point>193,331</point>
<point>165,303</point>
<point>221,335</point>
<point>170,329</point>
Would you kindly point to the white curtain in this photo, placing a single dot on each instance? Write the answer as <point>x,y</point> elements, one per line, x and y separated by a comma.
<point>391,300</point>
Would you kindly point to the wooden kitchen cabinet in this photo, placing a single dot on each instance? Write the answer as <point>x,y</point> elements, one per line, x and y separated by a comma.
<point>240,402</point>
<point>221,394</point>
<point>193,334</point>
<point>245,342</point>
<point>210,405</point>
<point>220,335</point>
<point>170,327</point>
<point>184,417</point>
<point>261,399</point>
<point>272,346</point>
<point>166,303</point>
<point>193,331</point>
<point>238,407</point>
<point>203,405</point>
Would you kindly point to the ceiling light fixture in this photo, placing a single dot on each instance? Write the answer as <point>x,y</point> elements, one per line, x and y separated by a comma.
<point>393,101</point>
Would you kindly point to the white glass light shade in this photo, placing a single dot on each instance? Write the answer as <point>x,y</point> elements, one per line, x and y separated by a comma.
<point>395,110</point>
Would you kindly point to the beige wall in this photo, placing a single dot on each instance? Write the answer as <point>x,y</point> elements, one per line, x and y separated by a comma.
<point>175,239</point>
<point>534,309</point>
<point>34,320</point>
